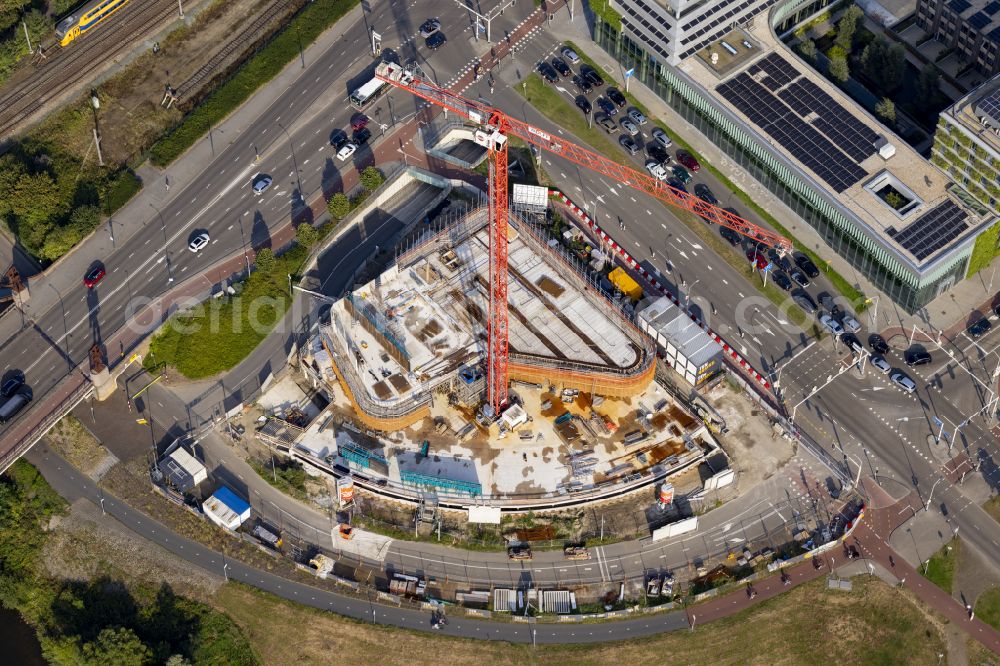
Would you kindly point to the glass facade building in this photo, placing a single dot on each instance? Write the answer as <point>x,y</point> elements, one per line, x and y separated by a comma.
<point>909,286</point>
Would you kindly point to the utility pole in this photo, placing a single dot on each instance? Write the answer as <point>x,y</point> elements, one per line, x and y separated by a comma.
<point>96,104</point>
<point>180,9</point>
<point>32,52</point>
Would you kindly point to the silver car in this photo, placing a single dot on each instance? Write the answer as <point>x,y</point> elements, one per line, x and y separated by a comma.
<point>903,381</point>
<point>662,138</point>
<point>570,55</point>
<point>630,127</point>
<point>637,116</point>
<point>881,364</point>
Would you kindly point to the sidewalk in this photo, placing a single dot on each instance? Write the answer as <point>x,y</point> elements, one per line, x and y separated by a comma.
<point>944,313</point>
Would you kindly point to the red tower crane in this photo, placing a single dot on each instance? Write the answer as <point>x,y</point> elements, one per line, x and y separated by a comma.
<point>494,128</point>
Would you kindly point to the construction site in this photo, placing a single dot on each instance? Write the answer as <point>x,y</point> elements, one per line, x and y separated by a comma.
<point>405,354</point>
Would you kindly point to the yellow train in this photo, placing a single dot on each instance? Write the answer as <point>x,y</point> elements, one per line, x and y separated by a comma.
<point>85,18</point>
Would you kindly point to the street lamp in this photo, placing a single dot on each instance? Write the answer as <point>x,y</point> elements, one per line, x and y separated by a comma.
<point>687,294</point>
<point>96,104</point>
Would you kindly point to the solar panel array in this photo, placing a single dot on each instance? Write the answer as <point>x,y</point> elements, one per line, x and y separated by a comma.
<point>980,20</point>
<point>990,105</point>
<point>959,6</point>
<point>840,125</point>
<point>932,230</point>
<point>779,71</point>
<point>799,138</point>
<point>992,8</point>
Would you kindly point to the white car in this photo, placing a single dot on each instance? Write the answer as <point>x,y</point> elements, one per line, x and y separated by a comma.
<point>199,242</point>
<point>630,127</point>
<point>570,55</point>
<point>655,170</point>
<point>662,138</point>
<point>900,379</point>
<point>881,364</point>
<point>346,151</point>
<point>831,324</point>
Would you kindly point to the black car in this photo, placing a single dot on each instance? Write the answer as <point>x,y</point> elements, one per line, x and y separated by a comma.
<point>609,125</point>
<point>435,41</point>
<point>851,342</point>
<point>734,237</point>
<point>11,386</point>
<point>606,106</point>
<point>676,184</point>
<point>804,301</point>
<point>582,84</point>
<point>704,193</point>
<point>799,277</point>
<point>582,104</point>
<point>338,139</point>
<point>979,328</point>
<point>917,356</point>
<point>362,136</point>
<point>878,344</point>
<point>560,66</point>
<point>592,76</point>
<point>628,144</point>
<point>781,279</point>
<point>615,96</point>
<point>547,72</point>
<point>657,152</point>
<point>807,266</point>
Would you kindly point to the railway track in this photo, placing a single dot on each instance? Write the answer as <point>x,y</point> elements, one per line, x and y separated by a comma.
<point>65,67</point>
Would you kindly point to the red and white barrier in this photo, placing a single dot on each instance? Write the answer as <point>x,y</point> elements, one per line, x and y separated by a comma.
<point>585,218</point>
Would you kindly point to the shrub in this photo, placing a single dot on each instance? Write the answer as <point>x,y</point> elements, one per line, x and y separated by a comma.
<point>306,235</point>
<point>808,49</point>
<point>265,261</point>
<point>339,206</point>
<point>839,70</point>
<point>371,178</point>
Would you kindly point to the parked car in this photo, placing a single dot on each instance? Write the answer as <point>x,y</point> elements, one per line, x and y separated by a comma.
<point>429,27</point>
<point>261,182</point>
<point>637,116</point>
<point>917,356</point>
<point>681,174</point>
<point>547,72</point>
<point>659,154</point>
<point>581,83</point>
<point>199,242</point>
<point>10,386</point>
<point>519,552</point>
<point>570,54</point>
<point>688,160</point>
<point>630,127</point>
<point>807,266</point>
<point>851,342</point>
<point>661,137</point>
<point>781,279</point>
<point>94,276</point>
<point>617,97</point>
<point>704,192</point>
<point>629,144</point>
<point>979,328</point>
<point>850,323</point>
<point>831,324</point>
<point>804,301</point>
<point>903,381</point>
<point>609,125</point>
<point>436,41</point>
<point>560,66</point>
<point>359,122</point>
<point>346,151</point>
<point>826,300</point>
<point>361,137</point>
<point>592,76</point>
<point>880,364</point>
<point>799,277</point>
<point>338,139</point>
<point>582,104</point>
<point>676,184</point>
<point>655,170</point>
<point>606,106</point>
<point>757,259</point>
<point>878,344</point>
<point>731,235</point>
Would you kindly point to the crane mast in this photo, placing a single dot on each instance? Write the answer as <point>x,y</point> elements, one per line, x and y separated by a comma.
<point>494,129</point>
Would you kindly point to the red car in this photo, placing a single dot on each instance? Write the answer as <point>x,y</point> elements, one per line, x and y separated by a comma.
<point>688,160</point>
<point>359,122</point>
<point>95,275</point>
<point>757,259</point>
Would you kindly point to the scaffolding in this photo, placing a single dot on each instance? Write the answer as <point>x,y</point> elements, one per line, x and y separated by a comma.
<point>426,481</point>
<point>360,456</point>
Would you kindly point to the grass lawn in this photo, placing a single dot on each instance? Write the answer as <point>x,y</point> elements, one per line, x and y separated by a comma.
<point>557,108</point>
<point>873,624</point>
<point>988,607</point>
<point>841,284</point>
<point>992,507</point>
<point>940,569</point>
<point>216,335</point>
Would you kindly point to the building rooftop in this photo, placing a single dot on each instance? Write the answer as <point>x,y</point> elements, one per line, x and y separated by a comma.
<point>982,15</point>
<point>899,196</point>
<point>672,323</point>
<point>979,113</point>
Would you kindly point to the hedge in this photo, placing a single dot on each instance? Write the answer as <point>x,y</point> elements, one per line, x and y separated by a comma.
<point>258,70</point>
<point>984,250</point>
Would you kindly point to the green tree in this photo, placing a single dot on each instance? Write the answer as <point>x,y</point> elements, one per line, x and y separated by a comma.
<point>117,646</point>
<point>895,199</point>
<point>10,12</point>
<point>884,64</point>
<point>306,235</point>
<point>339,206</point>
<point>34,202</point>
<point>886,110</point>
<point>178,660</point>
<point>62,239</point>
<point>808,49</point>
<point>371,178</point>
<point>929,86</point>
<point>839,70</point>
<point>265,260</point>
<point>11,171</point>
<point>847,26</point>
